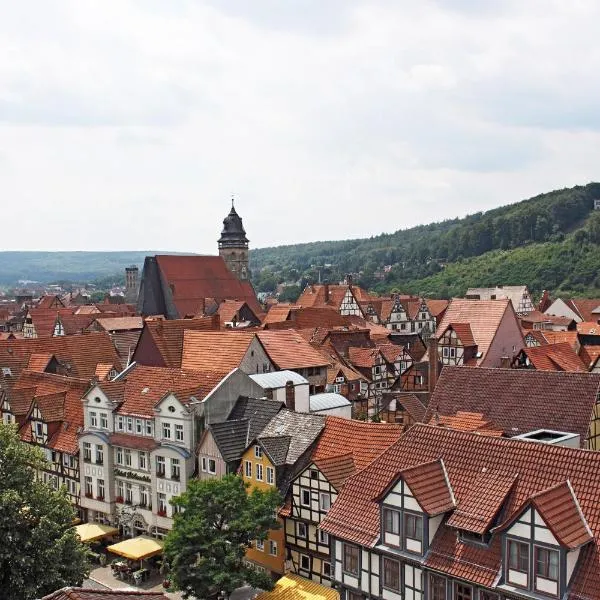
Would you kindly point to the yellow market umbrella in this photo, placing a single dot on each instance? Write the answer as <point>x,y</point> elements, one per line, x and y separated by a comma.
<point>138,548</point>
<point>88,532</point>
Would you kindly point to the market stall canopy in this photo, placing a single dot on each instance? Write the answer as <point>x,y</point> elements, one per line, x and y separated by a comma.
<point>88,532</point>
<point>137,548</point>
<point>294,587</point>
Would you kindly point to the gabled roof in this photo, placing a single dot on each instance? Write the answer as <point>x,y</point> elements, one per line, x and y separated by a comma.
<point>167,336</point>
<point>464,333</point>
<point>364,358</point>
<point>362,441</point>
<point>228,309</point>
<point>468,421</point>
<point>412,405</point>
<point>287,349</point>
<point>192,279</point>
<point>276,447</point>
<point>78,354</point>
<point>477,510</point>
<point>517,400</point>
<point>586,308</point>
<point>231,437</point>
<point>355,515</point>
<point>560,509</point>
<point>483,316</point>
<point>337,469</point>
<point>221,350</point>
<point>302,429</point>
<point>58,399</point>
<point>557,337</point>
<point>51,301</point>
<point>430,486</point>
<point>120,323</point>
<point>555,357</point>
<point>142,387</point>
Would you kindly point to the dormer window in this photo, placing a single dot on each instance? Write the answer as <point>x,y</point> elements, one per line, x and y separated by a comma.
<point>546,564</point>
<point>518,563</point>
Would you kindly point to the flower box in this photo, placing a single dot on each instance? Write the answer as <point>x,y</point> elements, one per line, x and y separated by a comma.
<point>119,499</point>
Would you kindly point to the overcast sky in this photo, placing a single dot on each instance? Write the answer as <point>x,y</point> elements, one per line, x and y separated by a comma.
<point>128,125</point>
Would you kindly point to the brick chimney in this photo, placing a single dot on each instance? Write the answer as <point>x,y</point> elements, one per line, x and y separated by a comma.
<point>290,395</point>
<point>433,363</point>
<point>269,393</point>
<point>326,288</point>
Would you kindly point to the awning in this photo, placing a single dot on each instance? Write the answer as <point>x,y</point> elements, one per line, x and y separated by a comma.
<point>137,548</point>
<point>88,532</point>
<point>294,587</point>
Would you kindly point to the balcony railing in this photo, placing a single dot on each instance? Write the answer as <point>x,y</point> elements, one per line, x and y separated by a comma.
<point>175,476</point>
<point>160,472</point>
<point>100,497</point>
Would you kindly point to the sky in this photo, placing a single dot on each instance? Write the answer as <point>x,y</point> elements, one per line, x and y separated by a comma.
<point>130,124</point>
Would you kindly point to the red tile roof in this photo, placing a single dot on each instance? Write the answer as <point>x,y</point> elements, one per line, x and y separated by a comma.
<point>412,405</point>
<point>195,278</point>
<point>136,442</point>
<point>429,484</point>
<point>314,295</point>
<point>557,337</point>
<point>464,333</point>
<point>584,307</point>
<point>291,317</point>
<point>120,323</point>
<point>59,399</point>
<point>355,515</point>
<point>287,349</point>
<point>518,400</point>
<point>50,302</point>
<point>555,357</point>
<point>483,316</point>
<point>216,350</point>
<point>364,358</point>
<point>588,328</point>
<point>79,354</point>
<point>167,336</point>
<point>363,440</point>
<point>143,387</point>
<point>589,354</point>
<point>467,421</point>
<point>560,510</point>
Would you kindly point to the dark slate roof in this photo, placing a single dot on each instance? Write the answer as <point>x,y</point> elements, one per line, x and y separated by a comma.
<point>276,447</point>
<point>231,438</point>
<point>256,411</point>
<point>302,428</point>
<point>233,230</point>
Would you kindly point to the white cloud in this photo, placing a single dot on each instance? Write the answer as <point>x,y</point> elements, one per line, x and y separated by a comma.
<point>128,124</point>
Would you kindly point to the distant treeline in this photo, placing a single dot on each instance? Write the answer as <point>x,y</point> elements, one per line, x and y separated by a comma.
<point>560,229</point>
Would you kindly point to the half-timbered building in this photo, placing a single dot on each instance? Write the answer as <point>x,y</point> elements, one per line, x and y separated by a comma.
<point>449,515</point>
<point>343,448</point>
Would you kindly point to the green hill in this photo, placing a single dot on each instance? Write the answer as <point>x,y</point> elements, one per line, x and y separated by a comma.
<point>549,242</point>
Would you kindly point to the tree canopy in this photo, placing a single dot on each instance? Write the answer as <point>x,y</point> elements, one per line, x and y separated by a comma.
<point>40,551</point>
<point>220,519</point>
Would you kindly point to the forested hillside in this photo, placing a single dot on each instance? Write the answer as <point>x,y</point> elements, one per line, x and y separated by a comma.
<point>548,242</point>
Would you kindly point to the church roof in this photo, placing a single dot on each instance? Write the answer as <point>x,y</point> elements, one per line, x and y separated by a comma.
<point>233,230</point>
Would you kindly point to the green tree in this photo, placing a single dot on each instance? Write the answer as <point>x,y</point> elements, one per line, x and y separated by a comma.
<point>40,551</point>
<point>220,519</point>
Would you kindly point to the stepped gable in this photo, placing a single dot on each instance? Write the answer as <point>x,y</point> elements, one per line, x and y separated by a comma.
<point>517,400</point>
<point>537,468</point>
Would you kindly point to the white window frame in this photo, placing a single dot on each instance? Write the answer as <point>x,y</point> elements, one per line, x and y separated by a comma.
<point>259,472</point>
<point>302,492</point>
<point>270,475</point>
<point>248,468</point>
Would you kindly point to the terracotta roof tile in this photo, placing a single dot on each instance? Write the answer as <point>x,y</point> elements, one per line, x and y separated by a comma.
<point>120,323</point>
<point>588,328</point>
<point>429,484</point>
<point>364,358</point>
<point>535,467</point>
<point>195,278</point>
<point>586,308</point>
<point>217,350</point>
<point>91,594</point>
<point>557,337</point>
<point>337,469</point>
<point>137,442</point>
<point>589,354</point>
<point>555,357</point>
<point>289,350</point>
<point>412,405</point>
<point>498,395</point>
<point>167,336</point>
<point>483,317</point>
<point>141,388</point>
<point>468,421</point>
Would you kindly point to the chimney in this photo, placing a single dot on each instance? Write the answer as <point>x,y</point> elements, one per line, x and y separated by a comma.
<point>433,363</point>
<point>326,286</point>
<point>269,393</point>
<point>505,362</point>
<point>349,280</point>
<point>290,395</point>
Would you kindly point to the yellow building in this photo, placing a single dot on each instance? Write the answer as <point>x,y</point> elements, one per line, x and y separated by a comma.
<point>284,446</point>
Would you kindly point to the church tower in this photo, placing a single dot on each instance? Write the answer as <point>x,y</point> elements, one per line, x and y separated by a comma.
<point>233,245</point>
